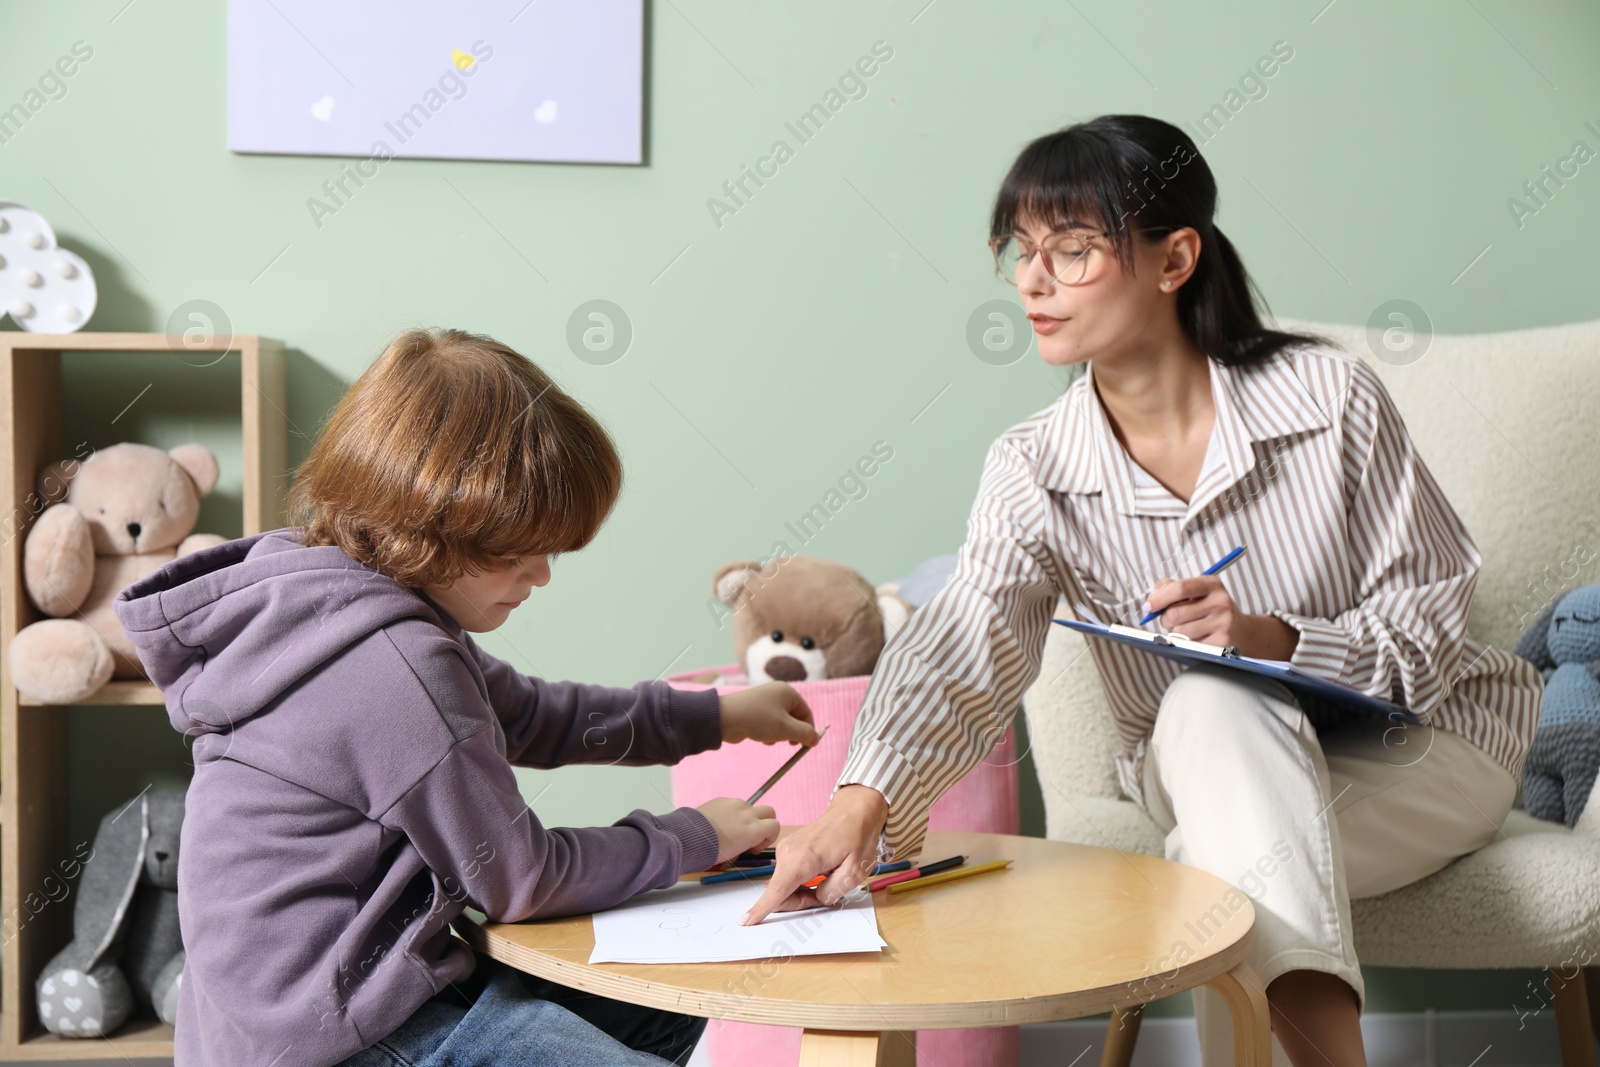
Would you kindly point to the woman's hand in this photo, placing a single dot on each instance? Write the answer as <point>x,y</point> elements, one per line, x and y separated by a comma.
<point>1200,609</point>
<point>842,844</point>
<point>767,713</point>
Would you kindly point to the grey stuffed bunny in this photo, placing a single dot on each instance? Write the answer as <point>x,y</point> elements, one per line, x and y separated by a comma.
<point>126,952</point>
<point>1564,643</point>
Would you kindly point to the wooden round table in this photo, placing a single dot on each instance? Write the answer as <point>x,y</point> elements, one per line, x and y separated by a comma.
<point>1066,931</point>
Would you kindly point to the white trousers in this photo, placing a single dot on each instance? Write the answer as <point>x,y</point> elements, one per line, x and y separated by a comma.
<point>1246,790</point>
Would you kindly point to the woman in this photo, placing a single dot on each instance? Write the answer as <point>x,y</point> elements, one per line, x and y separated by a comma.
<point>1193,429</point>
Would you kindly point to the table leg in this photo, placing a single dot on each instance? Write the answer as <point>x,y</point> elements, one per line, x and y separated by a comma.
<point>1242,991</point>
<point>1121,1034</point>
<point>857,1048</point>
<point>1572,1005</point>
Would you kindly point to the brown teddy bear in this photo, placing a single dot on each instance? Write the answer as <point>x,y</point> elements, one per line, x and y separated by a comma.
<point>128,510</point>
<point>800,618</point>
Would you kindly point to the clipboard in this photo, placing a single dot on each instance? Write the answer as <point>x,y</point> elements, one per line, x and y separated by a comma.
<point>1178,647</point>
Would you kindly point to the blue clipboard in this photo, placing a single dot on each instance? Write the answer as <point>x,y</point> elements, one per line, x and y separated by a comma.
<point>1304,683</point>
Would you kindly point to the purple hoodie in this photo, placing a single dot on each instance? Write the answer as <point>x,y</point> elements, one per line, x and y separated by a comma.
<point>352,793</point>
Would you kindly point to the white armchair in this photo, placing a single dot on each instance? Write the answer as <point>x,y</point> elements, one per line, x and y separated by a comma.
<point>1504,423</point>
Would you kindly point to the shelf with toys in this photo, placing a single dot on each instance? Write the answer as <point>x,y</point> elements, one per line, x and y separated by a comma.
<point>33,731</point>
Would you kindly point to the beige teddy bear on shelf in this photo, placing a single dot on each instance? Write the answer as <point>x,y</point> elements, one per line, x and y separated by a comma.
<point>128,510</point>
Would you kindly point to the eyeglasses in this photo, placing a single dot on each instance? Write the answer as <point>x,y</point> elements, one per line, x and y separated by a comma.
<point>1071,257</point>
<point>1067,256</point>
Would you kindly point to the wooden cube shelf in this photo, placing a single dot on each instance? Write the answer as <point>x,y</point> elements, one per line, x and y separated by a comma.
<point>136,1039</point>
<point>33,739</point>
<point>115,692</point>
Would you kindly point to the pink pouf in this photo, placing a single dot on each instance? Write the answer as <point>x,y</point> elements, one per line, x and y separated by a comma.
<point>985,800</point>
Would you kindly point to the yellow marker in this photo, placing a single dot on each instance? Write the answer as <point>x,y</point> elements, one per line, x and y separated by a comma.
<point>461,60</point>
<point>948,876</point>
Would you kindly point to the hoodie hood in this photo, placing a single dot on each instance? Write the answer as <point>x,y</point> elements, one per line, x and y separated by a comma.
<point>213,628</point>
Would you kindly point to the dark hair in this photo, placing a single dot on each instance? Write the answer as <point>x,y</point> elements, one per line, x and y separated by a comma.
<point>450,451</point>
<point>1112,173</point>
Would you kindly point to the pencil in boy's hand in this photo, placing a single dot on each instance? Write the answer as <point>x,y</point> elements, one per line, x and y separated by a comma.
<point>949,876</point>
<point>781,771</point>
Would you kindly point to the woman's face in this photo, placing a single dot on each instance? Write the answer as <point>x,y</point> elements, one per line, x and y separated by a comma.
<point>1113,312</point>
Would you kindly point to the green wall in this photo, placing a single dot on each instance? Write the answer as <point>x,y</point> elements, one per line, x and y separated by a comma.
<point>773,346</point>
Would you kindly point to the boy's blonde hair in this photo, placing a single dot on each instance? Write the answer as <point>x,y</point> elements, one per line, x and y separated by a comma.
<point>450,452</point>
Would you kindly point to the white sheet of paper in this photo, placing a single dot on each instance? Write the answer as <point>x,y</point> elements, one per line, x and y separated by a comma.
<point>694,923</point>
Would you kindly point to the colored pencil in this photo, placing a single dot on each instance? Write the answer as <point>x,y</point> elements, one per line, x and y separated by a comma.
<point>949,876</point>
<point>767,872</point>
<point>899,866</point>
<point>781,771</point>
<point>918,872</point>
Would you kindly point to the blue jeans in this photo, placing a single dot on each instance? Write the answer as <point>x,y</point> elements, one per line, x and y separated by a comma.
<point>503,1017</point>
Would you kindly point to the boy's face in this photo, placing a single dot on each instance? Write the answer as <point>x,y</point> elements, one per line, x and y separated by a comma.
<point>481,602</point>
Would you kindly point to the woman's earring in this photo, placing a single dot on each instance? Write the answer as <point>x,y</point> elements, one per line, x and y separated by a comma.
<point>1166,285</point>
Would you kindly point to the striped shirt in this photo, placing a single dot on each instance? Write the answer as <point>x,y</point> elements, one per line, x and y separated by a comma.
<point>1349,540</point>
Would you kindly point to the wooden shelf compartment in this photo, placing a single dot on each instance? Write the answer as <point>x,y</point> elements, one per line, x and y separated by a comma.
<point>114,692</point>
<point>136,1039</point>
<point>33,740</point>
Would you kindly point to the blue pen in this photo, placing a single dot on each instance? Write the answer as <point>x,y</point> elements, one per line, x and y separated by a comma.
<point>766,872</point>
<point>1213,569</point>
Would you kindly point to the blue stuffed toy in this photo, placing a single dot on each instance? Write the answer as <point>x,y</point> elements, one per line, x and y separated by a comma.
<point>1564,643</point>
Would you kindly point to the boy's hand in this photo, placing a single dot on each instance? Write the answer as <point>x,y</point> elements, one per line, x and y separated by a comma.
<point>740,827</point>
<point>767,713</point>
